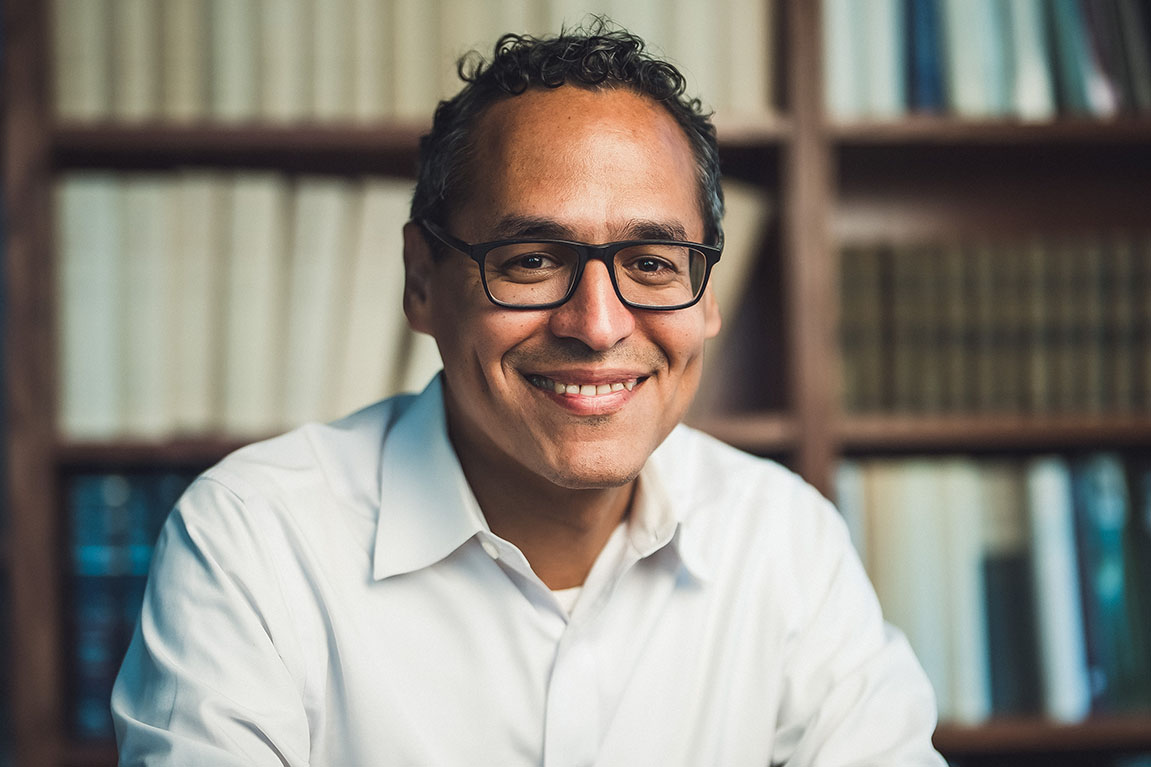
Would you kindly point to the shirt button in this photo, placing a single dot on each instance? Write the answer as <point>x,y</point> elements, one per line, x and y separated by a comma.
<point>491,549</point>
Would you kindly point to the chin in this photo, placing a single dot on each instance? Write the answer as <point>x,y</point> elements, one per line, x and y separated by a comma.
<point>592,475</point>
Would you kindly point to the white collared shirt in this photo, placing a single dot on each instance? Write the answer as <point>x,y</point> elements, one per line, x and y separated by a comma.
<point>335,597</point>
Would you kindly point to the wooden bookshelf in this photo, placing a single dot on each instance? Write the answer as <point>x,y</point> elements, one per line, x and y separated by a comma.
<point>833,183</point>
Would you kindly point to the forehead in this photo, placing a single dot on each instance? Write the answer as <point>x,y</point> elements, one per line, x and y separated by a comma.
<point>592,158</point>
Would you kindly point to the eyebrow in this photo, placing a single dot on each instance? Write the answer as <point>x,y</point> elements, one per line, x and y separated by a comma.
<point>515,227</point>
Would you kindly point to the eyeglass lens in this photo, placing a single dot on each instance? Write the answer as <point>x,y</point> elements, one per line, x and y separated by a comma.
<point>532,274</point>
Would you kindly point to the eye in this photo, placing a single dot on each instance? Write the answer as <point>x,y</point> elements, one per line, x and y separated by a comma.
<point>650,264</point>
<point>529,261</point>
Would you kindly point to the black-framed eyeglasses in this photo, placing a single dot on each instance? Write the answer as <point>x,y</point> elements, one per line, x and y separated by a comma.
<point>526,273</point>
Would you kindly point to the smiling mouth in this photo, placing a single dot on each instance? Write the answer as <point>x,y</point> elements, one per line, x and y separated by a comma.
<point>583,390</point>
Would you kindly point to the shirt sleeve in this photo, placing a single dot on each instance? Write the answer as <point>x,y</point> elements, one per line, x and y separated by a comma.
<point>206,679</point>
<point>854,693</point>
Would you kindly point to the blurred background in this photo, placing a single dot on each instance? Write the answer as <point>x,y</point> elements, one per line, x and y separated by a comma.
<point>936,288</point>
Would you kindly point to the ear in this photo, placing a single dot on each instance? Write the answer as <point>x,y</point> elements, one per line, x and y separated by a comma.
<point>712,321</point>
<point>418,266</point>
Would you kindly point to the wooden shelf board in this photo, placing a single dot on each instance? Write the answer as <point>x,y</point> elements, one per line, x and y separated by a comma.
<point>184,452</point>
<point>992,431</point>
<point>930,129</point>
<point>1030,735</point>
<point>754,432</point>
<point>279,146</point>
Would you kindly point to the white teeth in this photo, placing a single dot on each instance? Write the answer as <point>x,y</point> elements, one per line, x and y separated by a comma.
<point>583,390</point>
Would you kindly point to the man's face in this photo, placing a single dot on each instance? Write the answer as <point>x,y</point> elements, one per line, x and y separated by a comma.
<point>590,166</point>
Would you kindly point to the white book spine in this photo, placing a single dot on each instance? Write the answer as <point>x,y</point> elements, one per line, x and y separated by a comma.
<point>886,86</point>
<point>90,241</point>
<point>317,279</point>
<point>966,81</point>
<point>1032,90</point>
<point>234,60</point>
<point>372,76</point>
<point>256,268</point>
<point>463,27</point>
<point>203,227</point>
<point>1055,568</point>
<point>416,58</point>
<point>749,60</point>
<point>147,293</point>
<point>841,60</point>
<point>135,59</point>
<point>692,42</point>
<point>374,323</point>
<point>332,46</point>
<point>82,59</point>
<point>286,59</point>
<point>970,674</point>
<point>184,60</point>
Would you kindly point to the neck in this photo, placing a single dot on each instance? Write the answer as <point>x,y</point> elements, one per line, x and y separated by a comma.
<point>560,531</point>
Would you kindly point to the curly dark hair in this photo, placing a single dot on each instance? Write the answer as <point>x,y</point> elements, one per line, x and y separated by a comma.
<point>601,55</point>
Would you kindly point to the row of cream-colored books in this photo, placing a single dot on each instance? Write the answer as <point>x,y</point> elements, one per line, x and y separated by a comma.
<point>345,61</point>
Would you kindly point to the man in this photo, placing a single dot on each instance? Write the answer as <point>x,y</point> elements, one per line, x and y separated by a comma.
<point>531,562</point>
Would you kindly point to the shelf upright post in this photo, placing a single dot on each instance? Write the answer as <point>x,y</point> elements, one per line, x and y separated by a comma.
<point>33,539</point>
<point>810,307</point>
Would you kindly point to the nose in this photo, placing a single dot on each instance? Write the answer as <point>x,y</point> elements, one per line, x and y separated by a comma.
<point>594,314</point>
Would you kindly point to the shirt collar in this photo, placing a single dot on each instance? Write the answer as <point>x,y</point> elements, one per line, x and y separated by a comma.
<point>428,510</point>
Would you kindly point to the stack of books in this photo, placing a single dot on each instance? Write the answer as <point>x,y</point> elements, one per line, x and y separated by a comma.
<point>201,302</point>
<point>114,520</point>
<point>1039,326</point>
<point>1023,585</point>
<point>987,59</point>
<point>344,61</point>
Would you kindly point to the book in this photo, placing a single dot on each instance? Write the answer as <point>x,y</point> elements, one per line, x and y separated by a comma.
<point>233,62</point>
<point>974,50</point>
<point>417,60</point>
<point>201,234</point>
<point>462,28</point>
<point>1037,328</point>
<point>1139,577</point>
<point>1102,508</point>
<point>925,86</point>
<point>1133,28</point>
<point>905,561</point>
<point>749,67</point>
<point>256,263</point>
<point>884,59</point>
<point>332,43</point>
<point>148,290</point>
<point>371,75</point>
<point>959,498</point>
<point>842,58</point>
<point>183,60</point>
<point>286,59</point>
<point>693,40</point>
<point>90,240</point>
<point>851,500</point>
<point>1109,67</point>
<point>1069,36</point>
<point>135,60</point>
<point>373,324</point>
<point>1119,342</point>
<point>1009,591</point>
<point>1032,89</point>
<point>1064,675</point>
<point>82,58</point>
<point>317,284</point>
<point>955,330</point>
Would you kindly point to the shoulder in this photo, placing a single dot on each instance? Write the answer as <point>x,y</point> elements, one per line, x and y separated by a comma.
<point>750,510</point>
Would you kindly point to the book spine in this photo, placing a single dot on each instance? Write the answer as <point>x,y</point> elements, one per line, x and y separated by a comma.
<point>83,59</point>
<point>184,60</point>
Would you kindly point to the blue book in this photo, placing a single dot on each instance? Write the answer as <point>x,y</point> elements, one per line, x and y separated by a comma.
<point>925,76</point>
<point>1069,37</point>
<point>1102,517</point>
<point>96,653</point>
